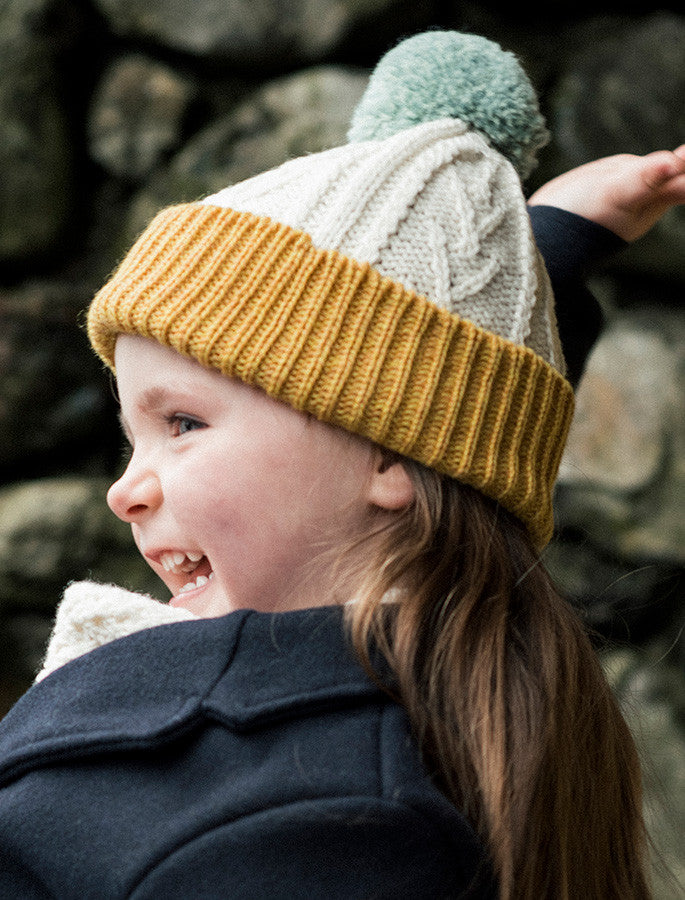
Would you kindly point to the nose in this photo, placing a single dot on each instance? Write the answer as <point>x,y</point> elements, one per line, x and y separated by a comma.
<point>137,492</point>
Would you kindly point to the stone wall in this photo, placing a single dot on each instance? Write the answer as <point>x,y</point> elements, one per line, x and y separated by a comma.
<point>110,109</point>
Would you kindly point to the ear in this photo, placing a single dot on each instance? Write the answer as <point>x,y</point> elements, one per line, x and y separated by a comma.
<point>390,486</point>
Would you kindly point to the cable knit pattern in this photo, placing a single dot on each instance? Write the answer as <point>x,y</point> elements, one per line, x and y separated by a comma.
<point>434,208</point>
<point>330,336</point>
<point>390,286</point>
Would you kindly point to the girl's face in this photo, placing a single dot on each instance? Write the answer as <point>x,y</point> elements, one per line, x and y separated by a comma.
<point>231,495</point>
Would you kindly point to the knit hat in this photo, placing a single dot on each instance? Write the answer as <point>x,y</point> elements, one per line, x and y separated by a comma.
<point>390,286</point>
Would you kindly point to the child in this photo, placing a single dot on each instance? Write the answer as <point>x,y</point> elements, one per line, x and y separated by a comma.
<point>364,684</point>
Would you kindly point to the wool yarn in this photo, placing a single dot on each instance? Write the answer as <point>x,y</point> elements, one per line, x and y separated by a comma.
<point>448,74</point>
<point>91,615</point>
<point>390,286</point>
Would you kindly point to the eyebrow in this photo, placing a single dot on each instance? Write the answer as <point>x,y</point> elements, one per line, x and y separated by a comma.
<point>152,398</point>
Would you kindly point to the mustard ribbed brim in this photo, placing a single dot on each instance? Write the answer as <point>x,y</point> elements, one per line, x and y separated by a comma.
<point>333,337</point>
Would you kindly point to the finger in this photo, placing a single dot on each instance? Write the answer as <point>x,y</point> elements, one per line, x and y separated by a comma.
<point>663,166</point>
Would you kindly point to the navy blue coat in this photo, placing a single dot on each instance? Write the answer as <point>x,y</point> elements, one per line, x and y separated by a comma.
<point>247,756</point>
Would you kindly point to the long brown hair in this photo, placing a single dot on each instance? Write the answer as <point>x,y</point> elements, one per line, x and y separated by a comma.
<point>505,694</point>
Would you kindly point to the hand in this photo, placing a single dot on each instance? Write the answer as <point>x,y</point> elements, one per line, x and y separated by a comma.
<point>626,194</point>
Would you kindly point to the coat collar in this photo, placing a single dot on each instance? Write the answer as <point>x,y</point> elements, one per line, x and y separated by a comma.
<point>140,691</point>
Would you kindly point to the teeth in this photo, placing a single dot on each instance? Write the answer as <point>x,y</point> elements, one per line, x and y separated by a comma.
<point>201,579</point>
<point>180,563</point>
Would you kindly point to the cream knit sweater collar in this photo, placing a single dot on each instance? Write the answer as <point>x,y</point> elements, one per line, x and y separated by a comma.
<point>91,615</point>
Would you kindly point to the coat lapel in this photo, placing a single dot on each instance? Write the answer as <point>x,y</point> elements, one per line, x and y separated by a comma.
<point>148,688</point>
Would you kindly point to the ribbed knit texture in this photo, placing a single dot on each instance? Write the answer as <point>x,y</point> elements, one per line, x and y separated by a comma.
<point>436,209</point>
<point>331,336</point>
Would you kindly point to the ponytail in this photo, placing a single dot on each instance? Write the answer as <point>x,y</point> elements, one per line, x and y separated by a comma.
<point>507,699</point>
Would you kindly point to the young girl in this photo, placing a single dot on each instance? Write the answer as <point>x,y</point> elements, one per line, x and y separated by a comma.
<point>343,386</point>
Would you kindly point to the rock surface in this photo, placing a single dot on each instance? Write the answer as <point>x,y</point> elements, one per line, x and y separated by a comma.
<point>35,148</point>
<point>53,397</point>
<point>651,690</point>
<point>305,112</point>
<point>137,115</point>
<point>619,95</point>
<point>622,477</point>
<point>112,109</point>
<point>244,32</point>
<point>55,530</point>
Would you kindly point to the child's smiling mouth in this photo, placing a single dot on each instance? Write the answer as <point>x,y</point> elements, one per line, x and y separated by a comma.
<point>178,562</point>
<point>200,581</point>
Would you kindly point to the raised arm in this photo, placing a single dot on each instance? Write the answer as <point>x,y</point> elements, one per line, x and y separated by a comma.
<point>626,194</point>
<point>586,215</point>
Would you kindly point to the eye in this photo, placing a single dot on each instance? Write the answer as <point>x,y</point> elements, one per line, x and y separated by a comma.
<point>181,424</point>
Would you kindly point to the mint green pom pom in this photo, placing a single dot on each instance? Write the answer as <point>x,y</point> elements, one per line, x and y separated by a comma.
<point>447,74</point>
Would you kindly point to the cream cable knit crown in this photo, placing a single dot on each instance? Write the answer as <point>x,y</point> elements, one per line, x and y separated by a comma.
<point>390,286</point>
<point>436,209</point>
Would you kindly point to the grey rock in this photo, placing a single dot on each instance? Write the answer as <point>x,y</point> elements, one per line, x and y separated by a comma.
<point>622,478</point>
<point>35,151</point>
<point>622,598</point>
<point>57,530</point>
<point>136,115</point>
<point>249,33</point>
<point>301,113</point>
<point>622,91</point>
<point>660,253</point>
<point>651,691</point>
<point>52,391</point>
<point>624,409</point>
<point>23,639</point>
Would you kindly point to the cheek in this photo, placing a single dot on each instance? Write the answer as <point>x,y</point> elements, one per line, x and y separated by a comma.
<point>327,490</point>
<point>219,501</point>
<point>251,492</point>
